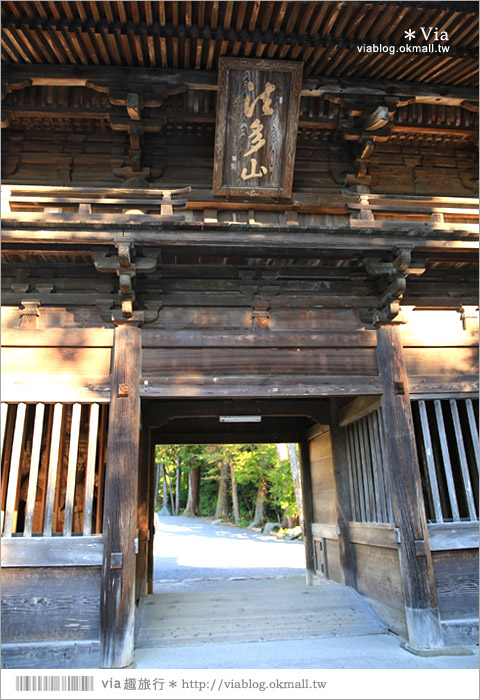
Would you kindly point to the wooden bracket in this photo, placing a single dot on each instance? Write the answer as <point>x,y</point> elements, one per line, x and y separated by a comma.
<point>260,316</point>
<point>391,281</point>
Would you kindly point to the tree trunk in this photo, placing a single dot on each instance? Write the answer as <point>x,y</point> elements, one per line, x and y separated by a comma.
<point>295,468</point>
<point>169,484</point>
<point>223,502</point>
<point>235,506</point>
<point>259,516</point>
<point>177,487</point>
<point>157,484</point>
<point>193,493</point>
<point>165,488</point>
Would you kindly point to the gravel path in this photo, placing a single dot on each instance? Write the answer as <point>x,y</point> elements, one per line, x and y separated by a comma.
<point>193,551</point>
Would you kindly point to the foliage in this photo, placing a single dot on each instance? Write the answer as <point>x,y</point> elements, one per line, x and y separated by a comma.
<point>251,464</point>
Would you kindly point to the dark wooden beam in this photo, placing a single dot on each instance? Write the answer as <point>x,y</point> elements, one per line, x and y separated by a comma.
<point>145,535</point>
<point>418,579</point>
<point>307,501</point>
<point>117,606</point>
<point>18,76</point>
<point>342,490</point>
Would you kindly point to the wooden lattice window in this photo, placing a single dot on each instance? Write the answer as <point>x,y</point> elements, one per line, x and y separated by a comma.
<point>368,478</point>
<point>53,466</point>
<point>447,445</point>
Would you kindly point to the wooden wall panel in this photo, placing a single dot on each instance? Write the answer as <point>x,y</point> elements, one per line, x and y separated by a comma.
<point>456,573</point>
<point>323,482</point>
<point>58,373</point>
<point>378,575</point>
<point>334,567</point>
<point>50,604</point>
<point>441,362</point>
<point>325,361</point>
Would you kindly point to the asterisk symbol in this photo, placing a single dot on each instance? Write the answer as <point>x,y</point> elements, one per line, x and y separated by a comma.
<point>410,35</point>
<point>173,684</point>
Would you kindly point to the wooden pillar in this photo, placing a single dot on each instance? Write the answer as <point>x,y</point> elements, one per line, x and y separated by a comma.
<point>306,479</point>
<point>343,498</point>
<point>117,607</point>
<point>419,587</point>
<point>151,513</point>
<point>145,536</point>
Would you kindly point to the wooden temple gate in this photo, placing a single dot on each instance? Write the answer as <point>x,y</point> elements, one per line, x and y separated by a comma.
<point>146,293</point>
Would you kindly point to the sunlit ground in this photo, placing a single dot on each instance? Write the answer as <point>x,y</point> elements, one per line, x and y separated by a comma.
<point>224,547</point>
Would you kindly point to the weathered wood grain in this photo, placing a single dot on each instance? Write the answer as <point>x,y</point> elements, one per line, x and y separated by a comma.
<point>120,501</point>
<point>9,524</point>
<point>294,361</point>
<point>90,469</point>
<point>378,575</point>
<point>456,574</point>
<point>30,552</point>
<point>239,78</point>
<point>374,534</point>
<point>33,473</point>
<point>421,604</point>
<point>53,604</point>
<point>343,495</point>
<point>257,387</point>
<point>55,655</point>
<point>72,469</point>
<point>152,338</point>
<point>308,509</point>
<point>452,536</point>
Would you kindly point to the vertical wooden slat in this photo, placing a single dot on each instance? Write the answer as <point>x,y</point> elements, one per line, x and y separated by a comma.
<point>380,504</point>
<point>386,480</point>
<point>368,469</point>
<point>41,513</point>
<point>432,474</point>
<point>473,427</point>
<point>101,468</point>
<point>4,422</point>
<point>117,602</point>
<point>364,507</point>
<point>34,464</point>
<point>52,469</point>
<point>379,467</point>
<point>12,490</point>
<point>90,471</point>
<point>357,477</point>
<point>61,475</point>
<point>351,475</point>
<point>72,470</point>
<point>446,460</point>
<point>7,453</point>
<point>467,484</point>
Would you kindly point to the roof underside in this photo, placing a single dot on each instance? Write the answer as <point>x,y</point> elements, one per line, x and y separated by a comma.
<point>193,35</point>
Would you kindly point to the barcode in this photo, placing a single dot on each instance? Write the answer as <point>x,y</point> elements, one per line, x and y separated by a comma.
<point>52,683</point>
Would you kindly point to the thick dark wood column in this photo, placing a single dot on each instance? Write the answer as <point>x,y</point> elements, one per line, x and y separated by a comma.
<point>418,578</point>
<point>145,536</point>
<point>306,479</point>
<point>120,502</point>
<point>340,471</point>
<point>151,512</point>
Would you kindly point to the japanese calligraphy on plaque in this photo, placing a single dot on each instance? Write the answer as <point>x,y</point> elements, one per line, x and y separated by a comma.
<point>256,128</point>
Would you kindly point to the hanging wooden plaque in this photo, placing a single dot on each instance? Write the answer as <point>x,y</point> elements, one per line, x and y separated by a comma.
<point>256,128</point>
